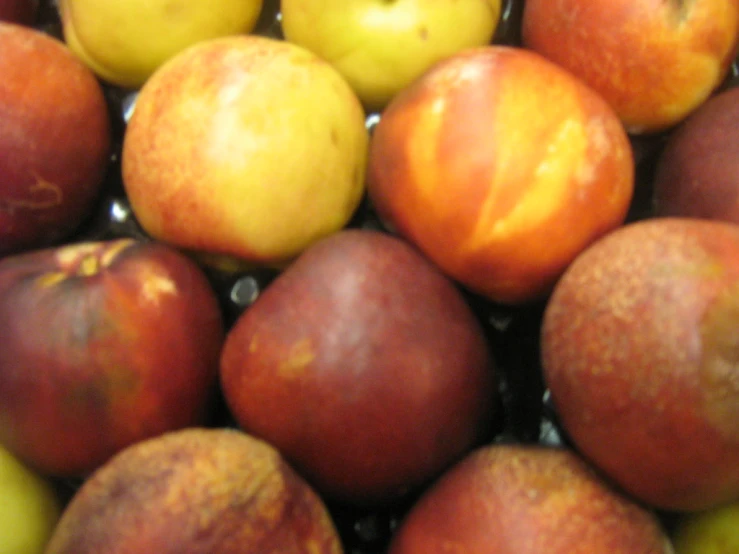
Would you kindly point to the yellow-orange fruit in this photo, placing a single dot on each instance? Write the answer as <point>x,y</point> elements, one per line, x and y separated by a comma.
<point>501,167</point>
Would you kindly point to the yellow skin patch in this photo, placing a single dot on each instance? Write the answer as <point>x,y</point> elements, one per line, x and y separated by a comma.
<point>210,165</point>
<point>298,358</point>
<point>380,47</point>
<point>125,42</point>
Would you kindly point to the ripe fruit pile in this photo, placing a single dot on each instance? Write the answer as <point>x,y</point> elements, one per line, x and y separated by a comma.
<point>271,283</point>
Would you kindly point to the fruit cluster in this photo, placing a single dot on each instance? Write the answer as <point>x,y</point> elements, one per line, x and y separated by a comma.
<point>369,277</point>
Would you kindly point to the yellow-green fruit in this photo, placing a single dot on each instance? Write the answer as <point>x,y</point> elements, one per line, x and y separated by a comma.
<point>714,531</point>
<point>29,507</point>
<point>380,46</point>
<point>124,42</point>
<point>245,147</point>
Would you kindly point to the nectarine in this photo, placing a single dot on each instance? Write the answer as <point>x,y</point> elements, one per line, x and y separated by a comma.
<point>501,167</point>
<point>362,363</point>
<point>103,344</point>
<point>55,140</point>
<point>639,350</point>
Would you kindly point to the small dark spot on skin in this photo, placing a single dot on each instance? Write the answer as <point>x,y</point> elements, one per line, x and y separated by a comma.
<point>423,32</point>
<point>334,137</point>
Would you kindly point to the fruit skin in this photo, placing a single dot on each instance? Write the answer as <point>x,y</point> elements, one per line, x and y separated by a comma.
<point>653,61</point>
<point>125,42</point>
<point>500,200</point>
<point>364,366</point>
<point>196,491</point>
<point>55,140</point>
<point>697,173</point>
<point>714,531</point>
<point>29,510</point>
<point>22,12</point>
<point>104,344</point>
<point>526,499</point>
<point>638,351</point>
<point>381,47</point>
<point>245,147</point>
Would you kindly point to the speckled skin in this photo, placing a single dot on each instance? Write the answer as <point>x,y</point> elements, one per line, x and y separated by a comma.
<point>364,366</point>
<point>196,491</point>
<point>654,61</point>
<point>245,147</point>
<point>639,348</point>
<point>519,499</point>
<point>55,140</point>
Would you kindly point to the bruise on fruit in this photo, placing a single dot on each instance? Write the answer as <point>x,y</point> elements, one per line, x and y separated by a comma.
<point>42,195</point>
<point>300,355</point>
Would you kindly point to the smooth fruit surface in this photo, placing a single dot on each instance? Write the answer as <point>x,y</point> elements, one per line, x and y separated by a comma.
<point>380,46</point>
<point>18,11</point>
<point>54,140</point>
<point>104,344</point>
<point>29,507</point>
<point>524,499</point>
<point>196,491</point>
<point>654,61</point>
<point>500,200</point>
<point>698,171</point>
<point>639,351</point>
<point>125,42</point>
<point>364,366</point>
<point>247,147</point>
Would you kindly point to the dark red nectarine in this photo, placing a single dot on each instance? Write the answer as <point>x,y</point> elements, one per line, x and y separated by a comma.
<point>698,171</point>
<point>54,140</point>
<point>103,344</point>
<point>362,363</point>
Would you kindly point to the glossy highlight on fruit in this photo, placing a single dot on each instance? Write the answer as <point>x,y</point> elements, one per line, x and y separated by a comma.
<point>500,200</point>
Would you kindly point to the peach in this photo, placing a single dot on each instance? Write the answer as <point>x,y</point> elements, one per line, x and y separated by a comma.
<point>245,147</point>
<point>527,499</point>
<point>501,201</point>
<point>639,352</point>
<point>196,491</point>
<point>104,344</point>
<point>54,140</point>
<point>362,363</point>
<point>653,61</point>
